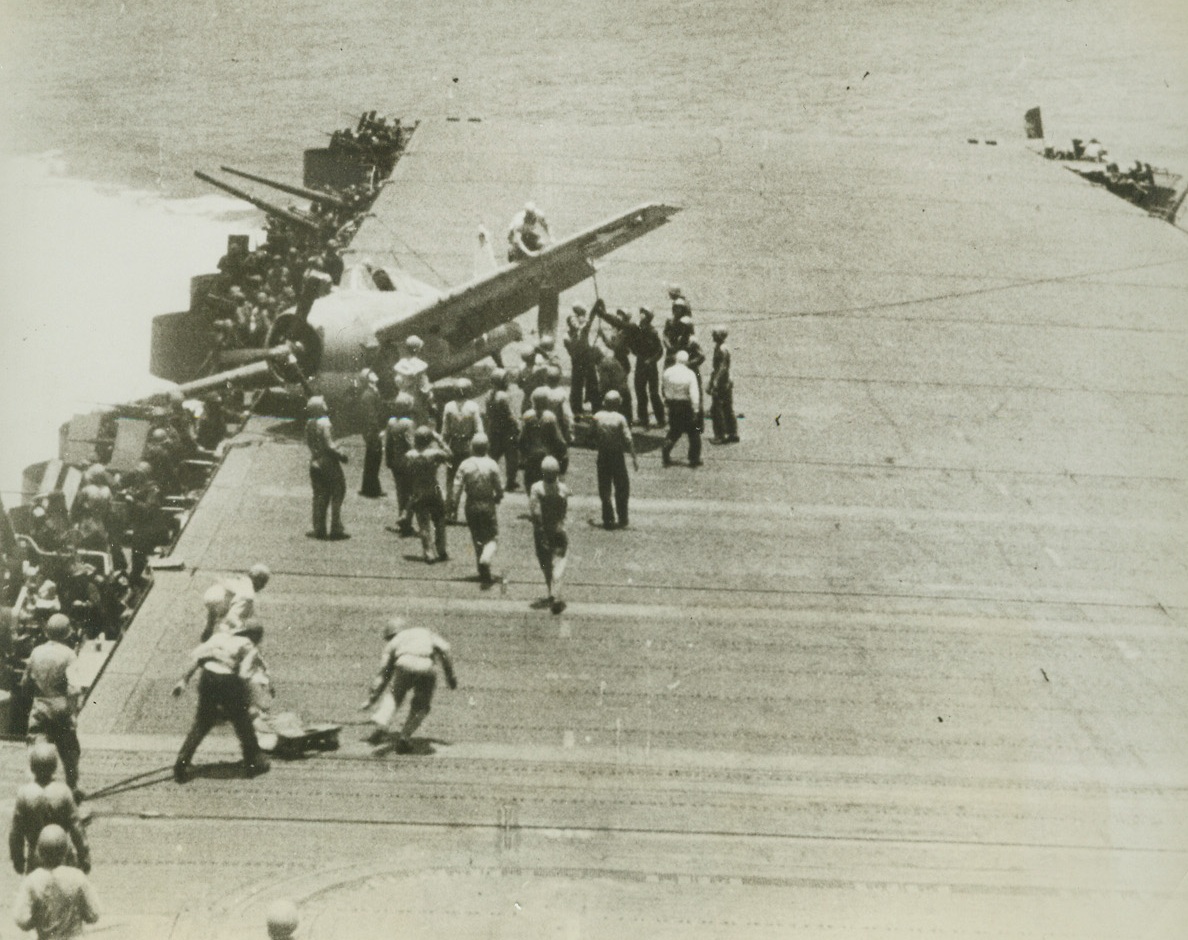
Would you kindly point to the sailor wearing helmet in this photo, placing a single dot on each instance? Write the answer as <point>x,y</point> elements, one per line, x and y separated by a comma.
<point>548,504</point>
<point>47,682</point>
<point>461,420</point>
<point>479,480</point>
<point>675,329</point>
<point>649,350</point>
<point>425,502</point>
<point>503,428</point>
<point>528,234</point>
<point>411,375</point>
<point>325,470</point>
<point>41,802</point>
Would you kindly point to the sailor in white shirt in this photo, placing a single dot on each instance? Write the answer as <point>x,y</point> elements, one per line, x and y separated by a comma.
<point>682,396</point>
<point>527,235</point>
<point>411,375</point>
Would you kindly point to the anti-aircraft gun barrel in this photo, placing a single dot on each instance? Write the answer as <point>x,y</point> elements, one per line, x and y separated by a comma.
<point>312,194</point>
<point>239,357</point>
<point>274,211</point>
<point>241,375</point>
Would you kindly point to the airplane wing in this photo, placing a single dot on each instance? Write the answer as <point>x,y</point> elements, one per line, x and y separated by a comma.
<point>467,312</point>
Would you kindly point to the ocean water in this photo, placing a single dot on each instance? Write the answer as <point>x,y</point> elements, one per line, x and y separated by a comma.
<point>109,106</point>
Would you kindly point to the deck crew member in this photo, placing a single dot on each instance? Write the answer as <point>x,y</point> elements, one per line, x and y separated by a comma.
<point>212,423</point>
<point>554,440</point>
<point>325,470</point>
<point>682,395</point>
<point>479,480</point>
<point>258,680</point>
<point>56,900</point>
<point>619,340</point>
<point>373,420</point>
<point>557,398</point>
<point>721,391</point>
<point>648,350</point>
<point>224,663</point>
<point>424,498</point>
<point>230,602</point>
<point>161,455</point>
<point>612,377</point>
<point>94,503</point>
<point>528,234</point>
<point>410,658</point>
<point>583,382</point>
<point>687,340</point>
<point>503,430</point>
<point>47,682</point>
<point>612,437</point>
<point>540,437</point>
<point>42,802</point>
<point>150,525</point>
<point>677,294</point>
<point>677,329</point>
<point>398,441</point>
<point>548,504</point>
<point>232,266</point>
<point>411,375</point>
<point>536,366</point>
<point>461,420</point>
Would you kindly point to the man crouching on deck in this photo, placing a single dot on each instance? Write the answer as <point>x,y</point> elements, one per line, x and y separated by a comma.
<point>409,658</point>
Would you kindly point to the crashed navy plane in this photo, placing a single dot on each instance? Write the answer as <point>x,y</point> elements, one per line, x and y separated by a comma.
<point>335,330</point>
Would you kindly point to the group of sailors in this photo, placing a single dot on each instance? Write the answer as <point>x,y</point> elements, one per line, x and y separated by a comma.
<point>424,433</point>
<point>1093,151</point>
<point>47,839</point>
<point>83,561</point>
<point>1134,184</point>
<point>48,843</point>
<point>234,682</point>
<point>254,286</point>
<point>375,140</point>
<point>40,639</point>
<point>606,349</point>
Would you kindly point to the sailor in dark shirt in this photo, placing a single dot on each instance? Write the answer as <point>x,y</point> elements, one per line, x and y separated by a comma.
<point>677,328</point>
<point>425,500</point>
<point>373,419</point>
<point>612,377</point>
<point>503,430</point>
<point>721,391</point>
<point>539,437</point>
<point>398,441</point>
<point>583,383</point>
<point>648,350</point>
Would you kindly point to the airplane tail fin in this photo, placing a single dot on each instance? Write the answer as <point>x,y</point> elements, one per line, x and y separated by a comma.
<point>484,255</point>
